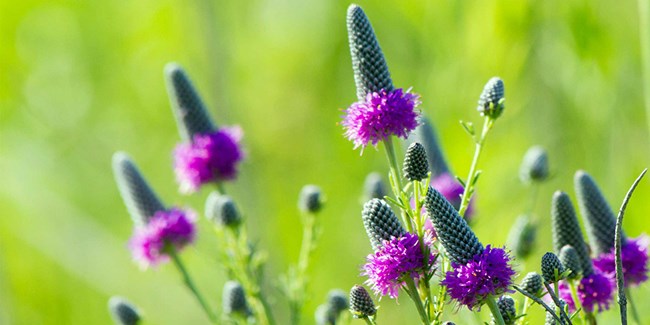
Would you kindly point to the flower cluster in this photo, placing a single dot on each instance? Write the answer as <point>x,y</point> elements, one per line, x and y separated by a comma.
<point>394,260</point>
<point>166,230</point>
<point>211,157</point>
<point>488,273</point>
<point>593,291</point>
<point>634,257</point>
<point>381,115</point>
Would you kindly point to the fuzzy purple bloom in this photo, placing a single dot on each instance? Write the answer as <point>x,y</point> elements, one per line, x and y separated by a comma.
<point>594,290</point>
<point>634,255</point>
<point>170,229</point>
<point>488,273</point>
<point>451,189</point>
<point>209,157</point>
<point>396,259</point>
<point>381,115</point>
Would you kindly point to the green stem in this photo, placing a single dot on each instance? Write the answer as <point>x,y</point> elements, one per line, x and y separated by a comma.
<point>522,319</point>
<point>442,291</point>
<point>413,293</point>
<point>220,188</point>
<point>306,248</point>
<point>635,314</point>
<point>190,284</point>
<point>469,186</point>
<point>370,320</point>
<point>396,178</point>
<point>576,301</point>
<point>498,319</point>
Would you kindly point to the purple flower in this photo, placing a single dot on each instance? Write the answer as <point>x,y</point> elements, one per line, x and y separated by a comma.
<point>209,157</point>
<point>488,273</point>
<point>593,290</point>
<point>395,259</point>
<point>382,114</point>
<point>165,230</point>
<point>451,189</point>
<point>634,255</point>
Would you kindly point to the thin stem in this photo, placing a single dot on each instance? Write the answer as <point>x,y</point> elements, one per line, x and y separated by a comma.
<point>492,303</point>
<point>556,300</point>
<point>469,182</point>
<point>413,293</point>
<point>576,301</point>
<point>622,301</point>
<point>306,248</point>
<point>539,302</point>
<point>370,320</point>
<point>220,188</point>
<point>396,178</point>
<point>190,284</point>
<point>522,320</point>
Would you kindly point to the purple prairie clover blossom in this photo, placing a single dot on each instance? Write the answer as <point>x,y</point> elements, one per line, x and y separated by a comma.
<point>634,256</point>
<point>381,115</point>
<point>594,290</point>
<point>396,259</point>
<point>170,229</point>
<point>207,158</point>
<point>488,273</point>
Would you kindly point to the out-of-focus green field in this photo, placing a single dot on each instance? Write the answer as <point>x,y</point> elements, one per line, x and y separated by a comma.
<point>80,80</point>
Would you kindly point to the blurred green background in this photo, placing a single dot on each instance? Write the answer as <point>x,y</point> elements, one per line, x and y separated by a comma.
<point>83,79</point>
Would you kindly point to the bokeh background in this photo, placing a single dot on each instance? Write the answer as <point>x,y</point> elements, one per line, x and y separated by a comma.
<point>80,80</point>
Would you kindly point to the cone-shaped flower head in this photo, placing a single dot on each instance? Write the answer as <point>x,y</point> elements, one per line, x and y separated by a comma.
<point>491,102</point>
<point>453,191</point>
<point>374,187</point>
<point>209,157</point>
<point>534,167</point>
<point>532,283</point>
<point>381,110</point>
<point>452,230</point>
<point>123,312</point>
<point>599,218</point>
<point>415,163</point>
<point>234,299</point>
<point>368,63</point>
<point>338,300</point>
<point>507,309</point>
<point>393,261</point>
<point>634,257</point>
<point>310,199</point>
<point>595,292</point>
<point>168,230</point>
<point>566,230</point>
<point>221,210</point>
<point>190,112</point>
<point>140,200</point>
<point>552,268</point>
<point>522,236</point>
<point>426,135</point>
<point>571,261</point>
<point>325,315</point>
<point>361,304</point>
<point>380,222</point>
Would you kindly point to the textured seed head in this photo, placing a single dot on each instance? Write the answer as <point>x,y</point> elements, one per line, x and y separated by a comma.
<point>456,236</point>
<point>426,135</point>
<point>508,310</point>
<point>491,101</point>
<point>325,315</point>
<point>221,210</point>
<point>380,222</point>
<point>415,163</point>
<point>368,62</point>
<point>234,299</point>
<point>140,200</point>
<point>532,283</point>
<point>534,167</point>
<point>571,261</point>
<point>190,112</point>
<point>338,300</point>
<point>566,230</point>
<point>522,236</point>
<point>122,311</point>
<point>361,304</point>
<point>311,199</point>
<point>550,266</point>
<point>374,187</point>
<point>600,221</point>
